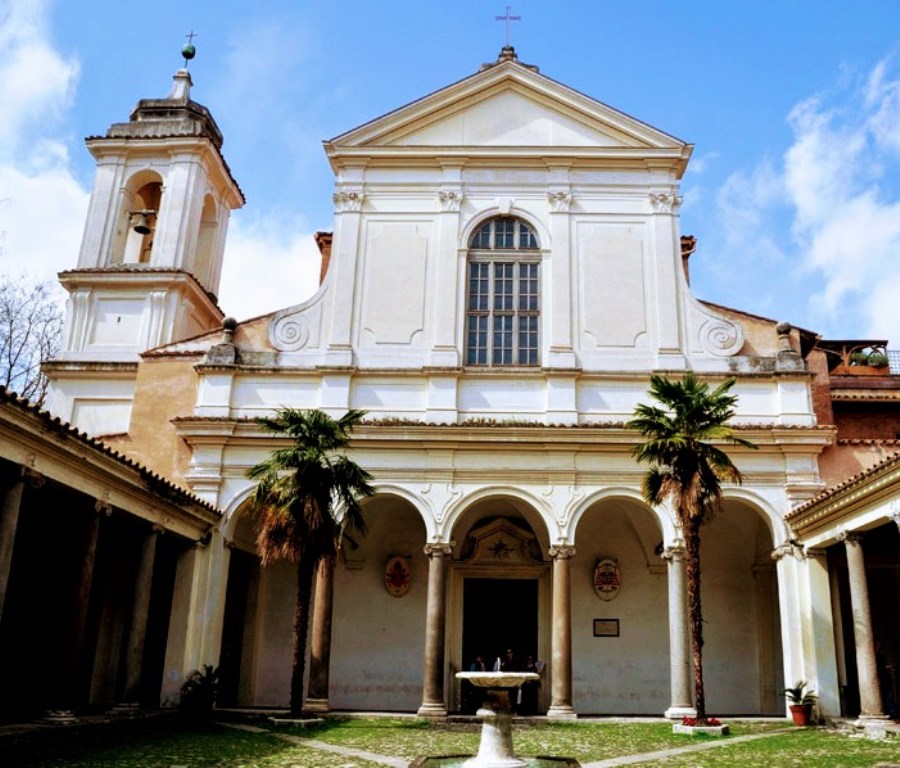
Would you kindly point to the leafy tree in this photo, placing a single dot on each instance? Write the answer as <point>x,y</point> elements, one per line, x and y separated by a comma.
<point>30,327</point>
<point>688,470</point>
<point>307,494</point>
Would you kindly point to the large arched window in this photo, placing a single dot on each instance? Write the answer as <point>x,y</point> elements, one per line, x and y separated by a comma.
<point>502,302</point>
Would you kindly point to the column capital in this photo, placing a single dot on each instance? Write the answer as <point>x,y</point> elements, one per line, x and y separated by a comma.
<point>674,553</point>
<point>850,537</point>
<point>895,513</point>
<point>562,551</point>
<point>34,478</point>
<point>157,528</point>
<point>787,547</point>
<point>438,549</point>
<point>102,506</point>
<point>348,200</point>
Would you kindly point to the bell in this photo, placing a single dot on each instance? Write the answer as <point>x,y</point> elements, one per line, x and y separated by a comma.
<point>142,227</point>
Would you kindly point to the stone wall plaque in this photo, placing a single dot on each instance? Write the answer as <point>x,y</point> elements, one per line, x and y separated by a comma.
<point>606,627</point>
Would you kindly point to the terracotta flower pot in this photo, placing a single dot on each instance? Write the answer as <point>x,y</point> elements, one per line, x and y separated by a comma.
<point>801,713</point>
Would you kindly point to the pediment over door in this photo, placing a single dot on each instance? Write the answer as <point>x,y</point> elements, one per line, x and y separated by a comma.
<point>501,543</point>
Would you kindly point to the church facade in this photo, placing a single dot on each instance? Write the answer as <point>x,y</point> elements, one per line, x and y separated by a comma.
<point>506,270</point>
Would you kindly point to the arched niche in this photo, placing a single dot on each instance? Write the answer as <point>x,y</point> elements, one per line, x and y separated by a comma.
<point>378,634</point>
<point>141,204</point>
<point>621,664</point>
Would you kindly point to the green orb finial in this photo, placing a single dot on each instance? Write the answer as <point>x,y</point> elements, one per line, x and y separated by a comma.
<point>188,50</point>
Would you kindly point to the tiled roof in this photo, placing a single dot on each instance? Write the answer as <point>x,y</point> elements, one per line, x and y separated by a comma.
<point>153,481</point>
<point>860,478</point>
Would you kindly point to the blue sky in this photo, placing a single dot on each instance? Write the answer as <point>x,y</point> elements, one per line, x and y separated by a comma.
<point>793,107</point>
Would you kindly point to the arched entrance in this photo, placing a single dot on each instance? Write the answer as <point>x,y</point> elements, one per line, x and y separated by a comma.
<point>498,596</point>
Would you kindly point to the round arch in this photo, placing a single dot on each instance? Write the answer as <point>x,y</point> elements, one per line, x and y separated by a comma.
<point>761,506</point>
<point>660,514</point>
<point>492,212</point>
<point>541,512</point>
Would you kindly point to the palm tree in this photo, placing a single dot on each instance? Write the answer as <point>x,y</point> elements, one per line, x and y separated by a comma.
<point>688,470</point>
<point>307,494</point>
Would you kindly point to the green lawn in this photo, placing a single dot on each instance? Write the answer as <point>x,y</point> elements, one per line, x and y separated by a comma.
<point>170,743</point>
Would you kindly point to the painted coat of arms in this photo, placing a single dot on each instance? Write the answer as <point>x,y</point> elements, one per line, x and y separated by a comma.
<point>607,580</point>
<point>397,576</point>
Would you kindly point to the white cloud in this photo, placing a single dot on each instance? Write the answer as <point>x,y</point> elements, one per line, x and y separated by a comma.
<point>36,82</point>
<point>744,203</point>
<point>836,184</point>
<point>847,224</point>
<point>43,205</point>
<point>269,264</point>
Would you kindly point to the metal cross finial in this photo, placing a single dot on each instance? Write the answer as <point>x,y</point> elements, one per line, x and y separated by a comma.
<point>507,18</point>
<point>191,36</point>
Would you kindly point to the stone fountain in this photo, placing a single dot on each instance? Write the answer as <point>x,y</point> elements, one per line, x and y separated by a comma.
<point>496,747</point>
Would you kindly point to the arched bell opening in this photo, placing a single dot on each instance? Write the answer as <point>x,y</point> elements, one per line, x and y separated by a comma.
<point>499,597</point>
<point>142,200</point>
<point>620,635</point>
<point>742,656</point>
<point>206,244</point>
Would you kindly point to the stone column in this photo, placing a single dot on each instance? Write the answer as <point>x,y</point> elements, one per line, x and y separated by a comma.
<point>679,639</point>
<point>870,704</point>
<point>66,694</point>
<point>435,618</point>
<point>9,521</point>
<point>561,642</point>
<point>320,644</point>
<point>137,633</point>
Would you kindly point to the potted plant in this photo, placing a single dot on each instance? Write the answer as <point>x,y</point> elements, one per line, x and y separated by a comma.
<point>199,692</point>
<point>878,360</point>
<point>801,702</point>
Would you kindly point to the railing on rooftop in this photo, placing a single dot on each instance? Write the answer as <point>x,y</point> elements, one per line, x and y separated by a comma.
<point>893,356</point>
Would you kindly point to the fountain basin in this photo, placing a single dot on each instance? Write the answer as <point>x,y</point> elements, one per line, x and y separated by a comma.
<point>496,748</point>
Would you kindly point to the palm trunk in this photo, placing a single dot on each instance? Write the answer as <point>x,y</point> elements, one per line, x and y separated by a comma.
<point>695,614</point>
<point>305,569</point>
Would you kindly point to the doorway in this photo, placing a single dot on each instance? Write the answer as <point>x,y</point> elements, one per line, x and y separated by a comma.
<point>499,614</point>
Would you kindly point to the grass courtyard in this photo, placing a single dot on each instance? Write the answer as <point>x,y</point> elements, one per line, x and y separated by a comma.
<point>169,742</point>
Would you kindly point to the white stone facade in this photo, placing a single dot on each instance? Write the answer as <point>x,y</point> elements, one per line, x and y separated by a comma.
<point>454,447</point>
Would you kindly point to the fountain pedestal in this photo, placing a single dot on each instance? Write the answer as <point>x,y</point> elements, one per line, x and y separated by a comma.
<point>496,747</point>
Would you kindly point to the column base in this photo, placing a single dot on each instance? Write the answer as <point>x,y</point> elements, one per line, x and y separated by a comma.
<point>561,712</point>
<point>59,717</point>
<point>125,709</point>
<point>316,705</point>
<point>677,712</point>
<point>432,709</point>
<point>873,726</point>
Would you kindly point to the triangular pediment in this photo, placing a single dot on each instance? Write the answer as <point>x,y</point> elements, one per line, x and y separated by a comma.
<point>510,106</point>
<point>509,118</point>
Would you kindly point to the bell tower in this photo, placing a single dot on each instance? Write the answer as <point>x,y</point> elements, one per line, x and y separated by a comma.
<point>151,256</point>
